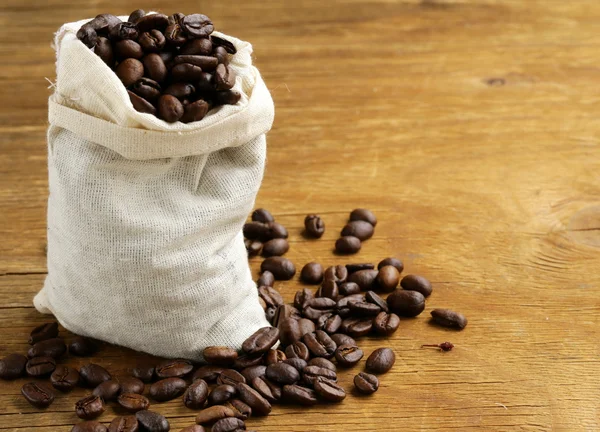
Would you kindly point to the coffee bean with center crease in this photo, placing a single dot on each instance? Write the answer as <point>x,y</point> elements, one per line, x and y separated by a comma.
<point>372,297</point>
<point>352,268</point>
<point>381,360</point>
<point>227,45</point>
<point>329,390</point>
<point>229,424</point>
<point>206,63</point>
<point>282,373</point>
<point>122,31</point>
<point>241,409</point>
<point>328,289</point>
<point>186,72</point>
<point>167,389</point>
<point>275,247</point>
<point>322,363</point>
<point>301,297</point>
<point>131,385</point>
<point>143,373</point>
<point>366,383</point>
<point>94,426</point>
<point>147,89</point>
<point>197,26</point>
<point>406,303</point>
<point>359,229</point>
<point>150,421</point>
<point>357,327</point>
<point>136,15</point>
<point>108,390</point>
<point>221,394</point>
<point>208,373</point>
<point>129,71</point>
<point>395,262</point>
<point>89,407</point>
<point>448,318</point>
<point>343,339</point>
<point>133,402</point>
<point>297,350</point>
<point>173,368</point>
<point>231,377</point>
<point>348,288</point>
<point>338,274</point>
<point>262,215</point>
<point>348,355</point>
<point>103,22</point>
<point>260,406</point>
<point>365,279</point>
<point>297,363</point>
<point>128,49</point>
<point>214,413</point>
<point>196,395</point>
<point>197,46</point>
<point>88,36</point>
<point>311,373</point>
<point>54,348</point>
<point>152,41</point>
<point>342,306</point>
<point>314,226</point>
<point>416,283</point>
<point>347,245</point>
<point>175,35</point>
<point>43,332</point>
<point>299,395</point>
<point>312,273</point>
<point>271,297</point>
<point>331,323</point>
<point>363,215</point>
<point>155,67</point>
<point>152,21</point>
<point>83,346</point>
<point>314,308</point>
<point>93,375</point>
<point>274,356</point>
<point>169,108</point>
<point>252,372</point>
<point>266,279</point>
<point>284,312</point>
<point>221,54</point>
<point>320,344</point>
<point>282,268</point>
<point>37,394</point>
<point>40,366</point>
<point>260,385</point>
<point>194,111</point>
<point>124,424</point>
<point>363,309</point>
<point>12,366</point>
<point>388,278</point>
<point>386,323</point>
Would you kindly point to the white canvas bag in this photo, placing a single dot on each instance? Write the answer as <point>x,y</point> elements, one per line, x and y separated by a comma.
<point>145,247</point>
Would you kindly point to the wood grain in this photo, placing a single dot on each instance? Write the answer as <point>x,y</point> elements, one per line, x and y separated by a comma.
<point>469,127</point>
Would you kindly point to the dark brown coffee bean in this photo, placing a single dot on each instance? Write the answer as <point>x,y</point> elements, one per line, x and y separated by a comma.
<point>195,111</point>
<point>314,226</point>
<point>252,372</point>
<point>219,355</point>
<point>221,394</point>
<point>359,229</point>
<point>328,390</point>
<point>176,18</point>
<point>260,385</point>
<point>342,339</point>
<point>175,35</point>
<point>151,22</point>
<point>366,383</point>
<point>312,273</point>
<point>37,394</point>
<point>126,49</point>
<point>169,108</point>
<point>155,67</point>
<point>282,268</point>
<point>347,245</point>
<point>343,305</point>
<point>104,50</point>
<point>297,363</point>
<point>88,36</point>
<point>206,63</point>
<point>54,348</point>
<point>386,323</point>
<point>284,312</point>
<point>147,89</point>
<point>266,279</point>
<point>213,414</point>
<point>40,366</point>
<point>322,363</point>
<point>231,377</point>
<point>337,273</point>
<point>186,72</point>
<point>365,279</point>
<point>299,395</point>
<point>197,46</point>
<point>380,361</point>
<point>196,395</point>
<point>83,346</point>
<point>221,54</point>
<point>352,268</point>
<point>395,262</point>
<point>282,373</point>
<point>140,104</point>
<point>314,308</point>
<point>275,247</point>
<point>256,231</point>
<point>260,406</point>
<point>372,297</point>
<point>348,355</point>
<point>276,230</point>
<point>448,318</point>
<point>363,215</point>
<point>173,368</point>
<point>297,350</point>
<point>253,247</point>
<point>108,390</point>
<point>12,366</point>
<point>270,296</point>
<point>134,17</point>
<point>167,389</point>
<point>348,288</point>
<point>150,421</point>
<point>247,360</point>
<point>197,26</point>
<point>129,71</point>
<point>357,327</point>
<point>124,424</point>
<point>193,428</point>
<point>227,45</point>
<point>363,309</point>
<point>103,22</point>
<point>229,424</point>
<point>311,373</point>
<point>328,289</point>
<point>133,402</point>
<point>89,407</point>
<point>209,374</point>
<point>417,283</point>
<point>301,297</point>
<point>331,324</point>
<point>406,303</point>
<point>262,215</point>
<point>122,31</point>
<point>143,373</point>
<point>131,385</point>
<point>274,356</point>
<point>292,329</point>
<point>227,97</point>
<point>152,41</point>
<point>93,426</point>
<point>241,409</point>
<point>92,375</point>
<point>320,344</point>
<point>43,332</point>
<point>388,278</point>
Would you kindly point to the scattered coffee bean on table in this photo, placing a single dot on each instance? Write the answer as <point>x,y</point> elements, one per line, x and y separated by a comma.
<point>12,366</point>
<point>312,273</point>
<point>366,383</point>
<point>314,226</point>
<point>37,394</point>
<point>43,332</point>
<point>89,407</point>
<point>94,426</point>
<point>448,318</point>
<point>381,360</point>
<point>416,283</point>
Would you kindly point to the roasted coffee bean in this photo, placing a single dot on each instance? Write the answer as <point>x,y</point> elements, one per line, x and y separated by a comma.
<point>352,268</point>
<point>12,366</point>
<point>328,289</point>
<point>406,303</point>
<point>301,297</point>
<point>260,385</point>
<point>284,312</point>
<point>89,407</point>
<point>365,279</point>
<point>208,373</point>
<point>193,428</point>
<point>388,278</point>
<point>186,72</point>
<point>241,409</point>
<point>83,346</point>
<point>357,327</point>
<point>372,297</point>
<point>150,421</point>
<point>122,31</point>
<point>94,426</point>
<point>229,47</point>
<point>40,366</point>
<point>134,17</point>
<point>88,36</point>
<point>104,50</point>
<point>175,35</point>
<point>298,350</point>
<point>282,373</point>
<point>155,67</point>
<point>195,111</point>
<point>311,373</point>
<point>229,424</point>
<point>395,262</point>
<point>299,395</point>
<point>173,368</point>
<point>320,344</point>
<point>221,394</point>
<point>170,109</point>
<point>347,245</point>
<point>206,63</point>
<point>363,215</point>
<point>151,22</point>
<point>176,18</point>
<point>275,247</point>
<point>314,308</point>
<point>270,296</point>
<point>274,356</point>
<point>363,309</point>
<point>152,41</point>
<point>386,323</point>
<point>147,89</point>
<point>282,268</point>
<point>37,394</point>
<point>343,305</point>
<point>196,395</point>
<point>262,215</point>
<point>252,372</point>
<point>124,424</point>
<point>231,377</point>
<point>338,274</point>
<point>54,348</point>
<point>297,363</point>
<point>131,385</point>
<point>214,413</point>
<point>348,288</point>
<point>329,390</point>
<point>133,402</point>
<point>331,323</point>
<point>292,330</point>
<point>348,355</point>
<point>140,104</point>
<point>448,318</point>
<point>253,247</point>
<point>256,231</point>
<point>167,389</point>
<point>197,26</point>
<point>128,48</point>
<point>129,71</point>
<point>143,373</point>
<point>221,54</point>
<point>247,360</point>
<point>381,360</point>
<point>314,226</point>
<point>227,97</point>
<point>103,22</point>
<point>366,383</point>
<point>92,375</point>
<point>322,363</point>
<point>266,279</point>
<point>260,406</point>
<point>416,283</point>
<point>197,46</point>
<point>276,230</point>
<point>342,339</point>
<point>312,273</point>
<point>43,332</point>
<point>359,229</point>
<point>108,390</point>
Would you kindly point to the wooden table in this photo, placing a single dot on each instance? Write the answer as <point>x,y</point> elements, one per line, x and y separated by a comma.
<point>470,128</point>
